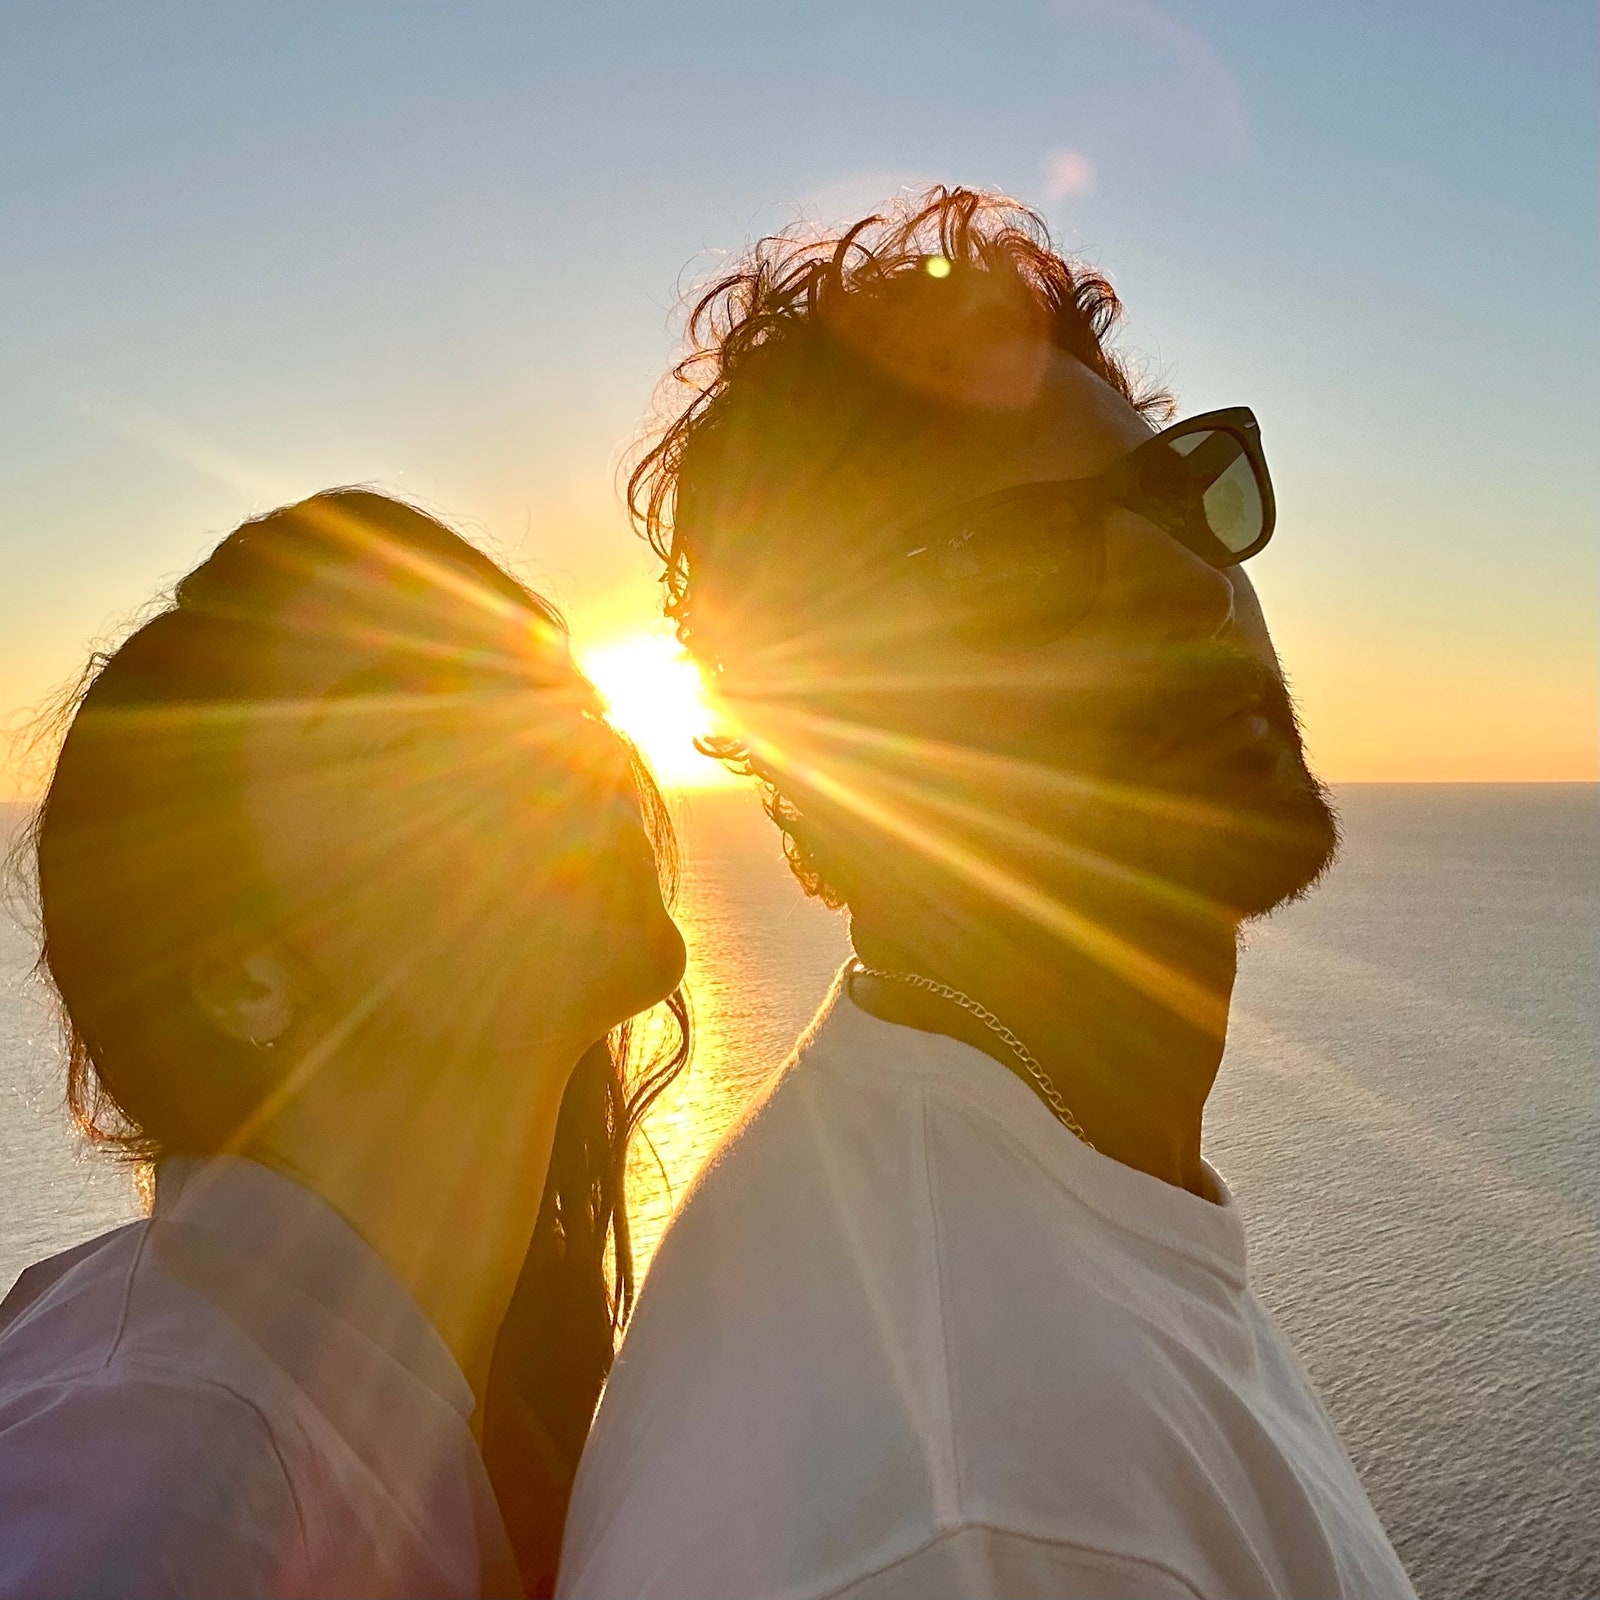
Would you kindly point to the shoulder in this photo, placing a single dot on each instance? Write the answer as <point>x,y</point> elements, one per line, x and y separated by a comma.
<point>109,1318</point>
<point>817,1203</point>
<point>126,1467</point>
<point>121,1481</point>
<point>788,1357</point>
<point>68,1311</point>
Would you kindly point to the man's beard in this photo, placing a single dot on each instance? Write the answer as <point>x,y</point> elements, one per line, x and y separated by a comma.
<point>1217,807</point>
<point>1145,778</point>
<point>1122,786</point>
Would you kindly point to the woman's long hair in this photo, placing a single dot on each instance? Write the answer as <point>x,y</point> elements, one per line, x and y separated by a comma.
<point>141,848</point>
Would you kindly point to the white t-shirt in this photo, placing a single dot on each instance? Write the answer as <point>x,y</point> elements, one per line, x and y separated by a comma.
<point>908,1337</point>
<point>236,1397</point>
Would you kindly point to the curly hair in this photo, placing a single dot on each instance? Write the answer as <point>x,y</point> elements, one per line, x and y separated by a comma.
<point>810,356</point>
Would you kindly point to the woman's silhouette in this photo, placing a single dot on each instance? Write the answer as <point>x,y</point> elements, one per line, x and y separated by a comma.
<point>349,896</point>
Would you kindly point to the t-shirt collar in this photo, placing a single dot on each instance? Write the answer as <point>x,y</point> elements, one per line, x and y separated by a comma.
<point>1210,1232</point>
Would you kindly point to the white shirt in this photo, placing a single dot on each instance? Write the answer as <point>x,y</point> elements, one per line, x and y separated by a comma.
<point>909,1337</point>
<point>235,1398</point>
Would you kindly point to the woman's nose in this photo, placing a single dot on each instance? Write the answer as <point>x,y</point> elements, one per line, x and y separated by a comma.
<point>1157,591</point>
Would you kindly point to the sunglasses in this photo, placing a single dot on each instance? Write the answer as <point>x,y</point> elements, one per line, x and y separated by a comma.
<point>1018,569</point>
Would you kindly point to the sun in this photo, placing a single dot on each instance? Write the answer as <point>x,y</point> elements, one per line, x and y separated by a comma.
<point>653,693</point>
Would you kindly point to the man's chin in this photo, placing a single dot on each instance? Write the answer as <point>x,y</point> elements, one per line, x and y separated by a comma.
<point>1270,842</point>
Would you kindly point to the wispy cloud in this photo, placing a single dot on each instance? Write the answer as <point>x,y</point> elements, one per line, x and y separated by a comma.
<point>177,442</point>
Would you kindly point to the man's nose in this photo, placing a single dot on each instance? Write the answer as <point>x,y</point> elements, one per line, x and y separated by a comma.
<point>1155,589</point>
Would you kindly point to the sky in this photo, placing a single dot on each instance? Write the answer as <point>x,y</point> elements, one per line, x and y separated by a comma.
<point>251,250</point>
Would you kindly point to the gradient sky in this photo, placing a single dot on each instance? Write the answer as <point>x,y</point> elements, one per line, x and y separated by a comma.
<point>254,249</point>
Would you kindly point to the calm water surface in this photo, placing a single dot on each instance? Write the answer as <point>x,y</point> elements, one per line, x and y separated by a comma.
<point>1407,1112</point>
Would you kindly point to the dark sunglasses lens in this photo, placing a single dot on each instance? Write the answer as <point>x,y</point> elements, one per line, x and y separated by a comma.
<point>1217,487</point>
<point>1020,574</point>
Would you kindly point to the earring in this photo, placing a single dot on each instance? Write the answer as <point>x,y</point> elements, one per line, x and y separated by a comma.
<point>263,1044</point>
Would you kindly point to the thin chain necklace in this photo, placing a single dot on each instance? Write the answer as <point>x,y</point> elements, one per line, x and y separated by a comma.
<point>1030,1063</point>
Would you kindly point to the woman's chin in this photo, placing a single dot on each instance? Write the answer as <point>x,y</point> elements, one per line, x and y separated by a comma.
<point>670,959</point>
<point>648,969</point>
<point>647,944</point>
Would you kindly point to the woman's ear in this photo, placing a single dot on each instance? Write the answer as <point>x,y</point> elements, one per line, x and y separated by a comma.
<point>249,990</point>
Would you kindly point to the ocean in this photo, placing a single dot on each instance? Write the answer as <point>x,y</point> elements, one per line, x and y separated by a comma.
<point>1407,1111</point>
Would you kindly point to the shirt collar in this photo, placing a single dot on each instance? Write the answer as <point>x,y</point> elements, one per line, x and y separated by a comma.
<point>1209,1232</point>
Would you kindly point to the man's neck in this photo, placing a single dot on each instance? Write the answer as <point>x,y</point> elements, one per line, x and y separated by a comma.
<point>1127,1018</point>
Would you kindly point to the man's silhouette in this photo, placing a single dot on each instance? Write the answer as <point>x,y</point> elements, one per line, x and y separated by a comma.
<point>961,1310</point>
